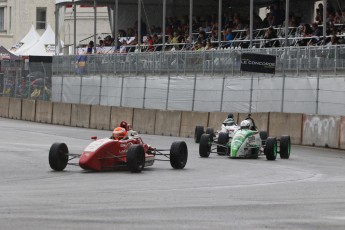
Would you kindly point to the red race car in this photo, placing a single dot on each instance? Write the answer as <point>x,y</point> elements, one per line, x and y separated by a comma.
<point>118,151</point>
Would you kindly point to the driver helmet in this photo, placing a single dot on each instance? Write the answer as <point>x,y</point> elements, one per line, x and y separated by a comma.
<point>124,125</point>
<point>245,124</point>
<point>230,115</point>
<point>119,133</point>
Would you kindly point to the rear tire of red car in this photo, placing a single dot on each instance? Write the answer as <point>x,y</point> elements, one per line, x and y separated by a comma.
<point>178,154</point>
<point>136,158</point>
<point>199,130</point>
<point>58,156</point>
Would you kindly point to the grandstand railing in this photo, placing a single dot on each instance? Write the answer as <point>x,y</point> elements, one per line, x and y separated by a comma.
<point>290,60</point>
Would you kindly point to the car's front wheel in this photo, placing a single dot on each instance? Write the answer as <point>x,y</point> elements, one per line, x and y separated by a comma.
<point>58,156</point>
<point>178,154</point>
<point>136,158</point>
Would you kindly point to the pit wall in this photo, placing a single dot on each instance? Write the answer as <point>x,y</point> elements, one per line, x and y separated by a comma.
<point>312,130</point>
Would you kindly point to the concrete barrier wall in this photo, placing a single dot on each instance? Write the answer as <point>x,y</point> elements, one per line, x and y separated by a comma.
<point>168,123</point>
<point>15,108</point>
<point>100,117</point>
<point>44,111</point>
<point>261,120</point>
<point>62,113</point>
<point>144,120</point>
<point>4,103</point>
<point>119,114</point>
<point>190,120</point>
<point>28,110</point>
<point>322,131</point>
<point>286,124</point>
<point>314,130</point>
<point>80,116</point>
<point>342,133</point>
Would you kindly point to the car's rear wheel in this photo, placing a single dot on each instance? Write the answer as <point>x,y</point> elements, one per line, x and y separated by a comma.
<point>271,148</point>
<point>210,131</point>
<point>223,139</point>
<point>199,130</point>
<point>263,137</point>
<point>285,147</point>
<point>178,154</point>
<point>136,158</point>
<point>205,145</point>
<point>58,156</point>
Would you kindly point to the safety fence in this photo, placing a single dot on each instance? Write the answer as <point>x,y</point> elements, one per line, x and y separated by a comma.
<point>290,60</point>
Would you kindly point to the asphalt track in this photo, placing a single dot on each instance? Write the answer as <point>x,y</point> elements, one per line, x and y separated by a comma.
<point>305,192</point>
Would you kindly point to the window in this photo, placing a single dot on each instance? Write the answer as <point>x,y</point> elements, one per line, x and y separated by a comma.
<point>41,17</point>
<point>2,18</point>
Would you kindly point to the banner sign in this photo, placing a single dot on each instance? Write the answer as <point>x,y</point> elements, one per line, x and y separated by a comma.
<point>259,63</point>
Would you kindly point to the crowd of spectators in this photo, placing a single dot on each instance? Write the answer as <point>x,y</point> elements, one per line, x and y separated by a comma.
<point>234,31</point>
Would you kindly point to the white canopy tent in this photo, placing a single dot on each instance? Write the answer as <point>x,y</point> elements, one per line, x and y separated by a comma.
<point>30,39</point>
<point>45,46</point>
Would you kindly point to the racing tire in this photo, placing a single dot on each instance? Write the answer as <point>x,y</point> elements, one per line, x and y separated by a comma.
<point>205,145</point>
<point>263,137</point>
<point>58,156</point>
<point>210,131</point>
<point>285,147</point>
<point>199,130</point>
<point>178,154</point>
<point>223,139</point>
<point>136,158</point>
<point>271,148</point>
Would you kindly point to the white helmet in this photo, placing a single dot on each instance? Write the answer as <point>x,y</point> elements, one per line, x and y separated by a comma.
<point>245,124</point>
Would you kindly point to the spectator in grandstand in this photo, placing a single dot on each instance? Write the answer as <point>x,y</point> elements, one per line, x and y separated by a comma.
<point>149,42</point>
<point>333,41</point>
<point>271,36</point>
<point>228,37</point>
<point>276,14</point>
<point>208,45</point>
<point>316,30</point>
<point>268,21</point>
<point>237,24</point>
<point>202,35</point>
<point>307,33</point>
<point>319,14</point>
<point>245,44</point>
<point>342,19</point>
<point>90,47</point>
<point>157,41</point>
<point>337,17</point>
